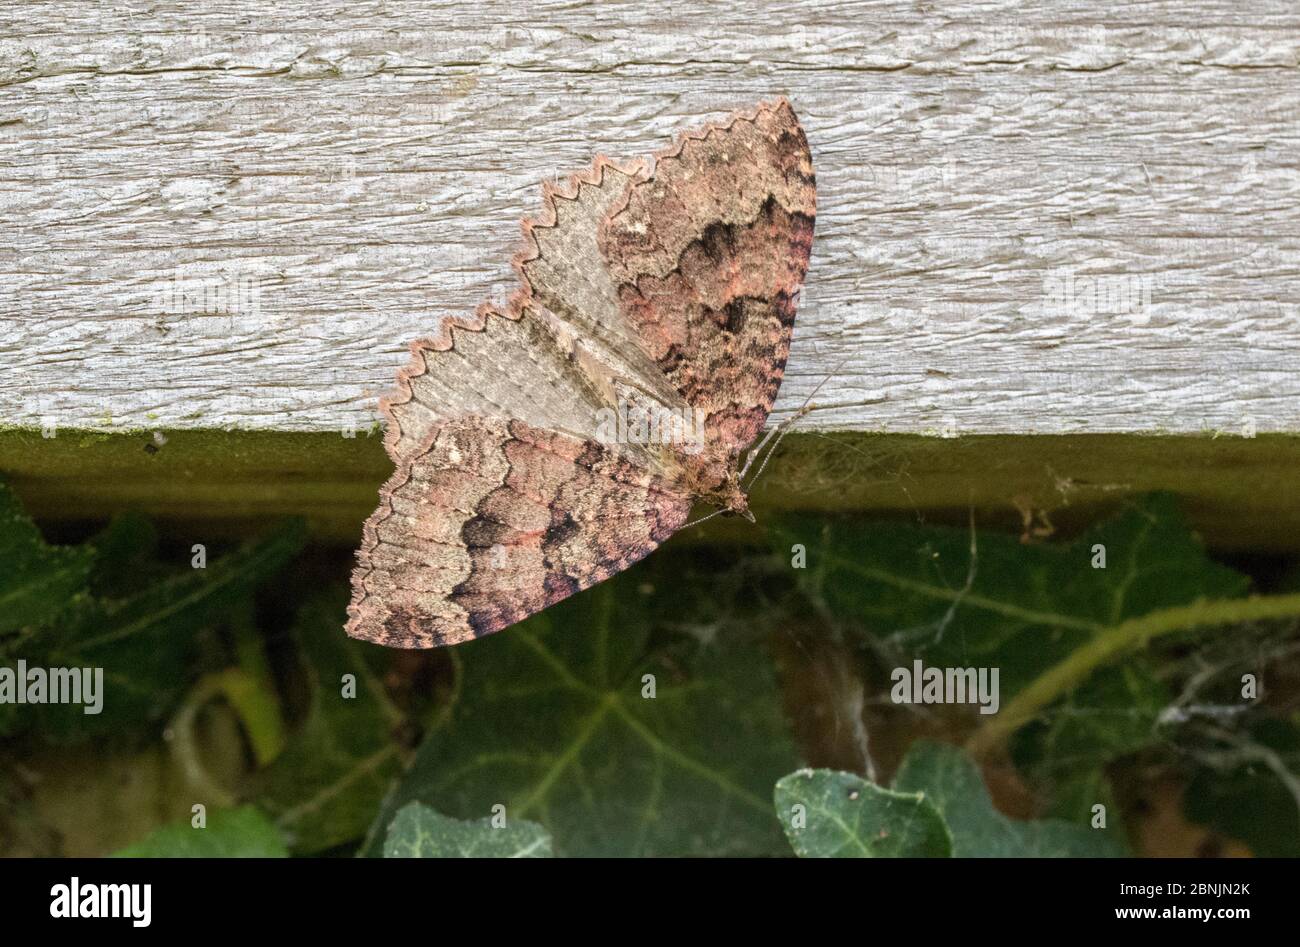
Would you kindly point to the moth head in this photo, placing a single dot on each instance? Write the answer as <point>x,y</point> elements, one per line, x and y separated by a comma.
<point>732,498</point>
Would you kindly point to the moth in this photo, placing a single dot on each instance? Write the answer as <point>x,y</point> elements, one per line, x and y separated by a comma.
<point>543,446</point>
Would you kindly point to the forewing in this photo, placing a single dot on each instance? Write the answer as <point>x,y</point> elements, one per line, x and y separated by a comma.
<point>567,288</point>
<point>709,254</point>
<point>560,350</point>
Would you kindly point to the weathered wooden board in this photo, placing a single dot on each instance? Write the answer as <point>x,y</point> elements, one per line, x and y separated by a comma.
<point>1056,217</point>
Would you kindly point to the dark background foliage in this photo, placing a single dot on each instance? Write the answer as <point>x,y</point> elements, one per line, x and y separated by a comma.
<point>720,698</point>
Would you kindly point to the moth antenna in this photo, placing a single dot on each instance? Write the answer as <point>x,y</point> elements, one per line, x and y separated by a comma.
<point>702,519</point>
<point>784,429</point>
<point>753,454</point>
<point>780,430</point>
<point>803,409</point>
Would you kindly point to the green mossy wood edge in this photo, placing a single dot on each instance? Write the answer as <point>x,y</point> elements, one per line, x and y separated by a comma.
<point>1239,493</point>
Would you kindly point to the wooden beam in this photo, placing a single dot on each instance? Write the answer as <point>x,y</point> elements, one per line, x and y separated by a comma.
<point>1239,493</point>
<point>1053,218</point>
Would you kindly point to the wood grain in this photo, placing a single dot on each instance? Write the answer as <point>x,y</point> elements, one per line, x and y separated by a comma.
<point>325,180</point>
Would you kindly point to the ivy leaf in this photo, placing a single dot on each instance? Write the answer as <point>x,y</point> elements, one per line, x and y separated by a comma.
<point>1072,800</point>
<point>1116,711</point>
<point>37,581</point>
<point>146,643</point>
<point>419,832</point>
<point>230,833</point>
<point>1015,606</point>
<point>325,787</point>
<point>126,558</point>
<point>827,814</point>
<point>987,600</point>
<point>938,806</point>
<point>951,781</point>
<point>553,722</point>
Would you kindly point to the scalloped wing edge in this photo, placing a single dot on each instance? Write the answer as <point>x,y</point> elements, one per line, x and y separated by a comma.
<point>444,338</point>
<point>370,539</point>
<point>702,133</point>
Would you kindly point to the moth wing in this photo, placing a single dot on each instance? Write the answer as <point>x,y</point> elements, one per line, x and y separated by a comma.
<point>492,521</point>
<point>709,253</point>
<point>560,351</point>
<point>568,289</point>
<point>495,365</point>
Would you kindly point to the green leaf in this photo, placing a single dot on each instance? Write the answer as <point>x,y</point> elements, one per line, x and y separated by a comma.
<point>146,643</point>
<point>419,832</point>
<point>37,581</point>
<point>230,833</point>
<point>326,786</point>
<point>1073,799</point>
<point>953,599</point>
<point>126,558</point>
<point>552,724</point>
<point>827,814</point>
<point>951,781</point>
<point>1257,800</point>
<point>1116,711</point>
<point>188,599</point>
<point>938,806</point>
<point>1015,606</point>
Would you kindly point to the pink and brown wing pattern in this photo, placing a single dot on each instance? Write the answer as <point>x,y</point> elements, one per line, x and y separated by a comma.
<point>709,254</point>
<point>675,286</point>
<point>494,520</point>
